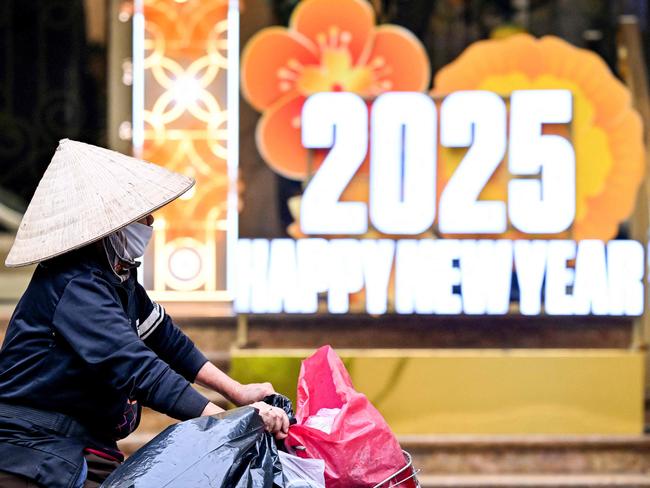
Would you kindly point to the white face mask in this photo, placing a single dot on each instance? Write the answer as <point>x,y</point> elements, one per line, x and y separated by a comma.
<point>137,237</point>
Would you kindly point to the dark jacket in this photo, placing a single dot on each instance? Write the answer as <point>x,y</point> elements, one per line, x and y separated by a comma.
<point>84,344</point>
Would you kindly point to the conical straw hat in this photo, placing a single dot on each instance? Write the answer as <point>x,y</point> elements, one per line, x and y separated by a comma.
<point>86,193</point>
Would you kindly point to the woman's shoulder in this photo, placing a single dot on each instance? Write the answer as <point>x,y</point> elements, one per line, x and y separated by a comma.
<point>79,266</point>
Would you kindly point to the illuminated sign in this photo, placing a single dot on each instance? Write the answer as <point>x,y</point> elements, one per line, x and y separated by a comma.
<point>517,170</point>
<point>284,275</point>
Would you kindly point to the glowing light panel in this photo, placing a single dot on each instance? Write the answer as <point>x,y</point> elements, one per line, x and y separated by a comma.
<point>180,82</point>
<point>421,274</point>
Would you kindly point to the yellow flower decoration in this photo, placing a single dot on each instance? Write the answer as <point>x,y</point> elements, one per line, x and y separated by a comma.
<point>606,132</point>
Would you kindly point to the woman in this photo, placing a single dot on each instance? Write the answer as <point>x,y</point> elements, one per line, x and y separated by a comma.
<point>86,347</point>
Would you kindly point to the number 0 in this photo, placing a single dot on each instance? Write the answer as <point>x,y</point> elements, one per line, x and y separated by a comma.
<point>403,163</point>
<point>474,119</point>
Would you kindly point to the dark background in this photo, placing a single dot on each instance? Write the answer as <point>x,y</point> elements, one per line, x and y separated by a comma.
<point>53,76</point>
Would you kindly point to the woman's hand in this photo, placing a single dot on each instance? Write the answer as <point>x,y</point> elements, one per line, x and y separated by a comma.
<point>251,393</point>
<point>275,419</point>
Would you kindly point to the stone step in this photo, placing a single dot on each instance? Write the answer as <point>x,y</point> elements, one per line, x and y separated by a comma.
<point>534,481</point>
<point>519,455</point>
<point>351,331</point>
<point>213,327</point>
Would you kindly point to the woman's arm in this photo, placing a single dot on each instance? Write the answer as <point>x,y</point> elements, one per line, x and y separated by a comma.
<point>275,419</point>
<point>213,378</point>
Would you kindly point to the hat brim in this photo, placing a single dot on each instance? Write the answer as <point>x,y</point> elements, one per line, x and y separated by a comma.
<point>18,264</point>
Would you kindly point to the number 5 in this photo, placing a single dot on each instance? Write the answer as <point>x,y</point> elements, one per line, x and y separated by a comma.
<point>546,205</point>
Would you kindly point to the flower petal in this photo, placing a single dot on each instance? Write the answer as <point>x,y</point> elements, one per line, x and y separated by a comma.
<point>399,59</point>
<point>485,59</point>
<point>279,139</point>
<point>327,21</point>
<point>271,53</point>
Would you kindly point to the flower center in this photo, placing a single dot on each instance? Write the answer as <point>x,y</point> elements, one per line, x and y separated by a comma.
<point>335,73</point>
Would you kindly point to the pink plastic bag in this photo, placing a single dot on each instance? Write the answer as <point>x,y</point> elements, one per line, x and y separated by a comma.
<point>360,450</point>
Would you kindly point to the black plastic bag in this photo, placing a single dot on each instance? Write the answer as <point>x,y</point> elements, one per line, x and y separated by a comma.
<point>228,450</point>
<point>281,401</point>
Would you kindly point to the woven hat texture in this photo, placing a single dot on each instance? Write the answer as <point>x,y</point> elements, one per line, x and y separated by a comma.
<point>86,193</point>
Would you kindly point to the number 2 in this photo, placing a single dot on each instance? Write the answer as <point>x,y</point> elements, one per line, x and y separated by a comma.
<point>339,121</point>
<point>474,119</point>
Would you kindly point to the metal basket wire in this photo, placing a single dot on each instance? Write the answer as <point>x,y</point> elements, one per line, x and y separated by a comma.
<point>405,477</point>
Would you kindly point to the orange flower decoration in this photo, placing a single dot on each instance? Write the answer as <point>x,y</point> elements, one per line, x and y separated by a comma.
<point>330,45</point>
<point>606,132</point>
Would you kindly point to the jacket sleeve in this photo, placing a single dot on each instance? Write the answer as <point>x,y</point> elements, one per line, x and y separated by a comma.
<point>90,318</point>
<point>159,332</point>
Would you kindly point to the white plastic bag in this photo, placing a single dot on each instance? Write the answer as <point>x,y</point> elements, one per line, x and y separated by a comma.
<point>323,420</point>
<point>302,473</point>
